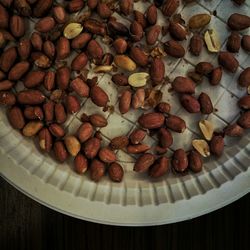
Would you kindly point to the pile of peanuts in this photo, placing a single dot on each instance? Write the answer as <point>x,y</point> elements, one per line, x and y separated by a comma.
<point>53,88</point>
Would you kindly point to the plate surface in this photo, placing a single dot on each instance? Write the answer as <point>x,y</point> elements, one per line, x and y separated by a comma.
<point>138,200</point>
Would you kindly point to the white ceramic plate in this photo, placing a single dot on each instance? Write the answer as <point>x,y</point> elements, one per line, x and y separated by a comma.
<point>138,200</point>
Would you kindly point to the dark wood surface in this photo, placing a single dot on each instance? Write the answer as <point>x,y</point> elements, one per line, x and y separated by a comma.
<point>27,225</point>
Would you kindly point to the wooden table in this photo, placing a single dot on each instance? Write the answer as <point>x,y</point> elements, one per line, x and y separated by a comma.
<point>25,224</point>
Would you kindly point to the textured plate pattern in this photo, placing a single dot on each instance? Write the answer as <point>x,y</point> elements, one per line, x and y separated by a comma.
<point>138,190</point>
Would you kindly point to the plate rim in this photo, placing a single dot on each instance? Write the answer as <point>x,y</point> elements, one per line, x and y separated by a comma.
<point>29,185</point>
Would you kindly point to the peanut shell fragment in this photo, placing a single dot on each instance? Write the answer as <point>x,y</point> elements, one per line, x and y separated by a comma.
<point>212,41</point>
<point>72,30</point>
<point>207,129</point>
<point>202,147</point>
<point>138,79</point>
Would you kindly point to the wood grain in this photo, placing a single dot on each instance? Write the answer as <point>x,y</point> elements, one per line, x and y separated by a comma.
<point>27,225</point>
